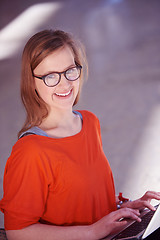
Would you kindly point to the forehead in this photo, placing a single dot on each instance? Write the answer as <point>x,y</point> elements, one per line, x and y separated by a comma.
<point>58,60</point>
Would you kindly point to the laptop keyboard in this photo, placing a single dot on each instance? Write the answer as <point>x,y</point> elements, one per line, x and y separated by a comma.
<point>136,227</point>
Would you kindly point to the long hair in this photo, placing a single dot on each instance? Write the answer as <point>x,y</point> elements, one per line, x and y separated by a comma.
<point>37,48</point>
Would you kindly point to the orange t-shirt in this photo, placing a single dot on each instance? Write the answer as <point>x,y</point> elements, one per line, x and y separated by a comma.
<point>66,181</point>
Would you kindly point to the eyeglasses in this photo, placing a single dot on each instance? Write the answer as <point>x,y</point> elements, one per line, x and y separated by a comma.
<point>54,78</point>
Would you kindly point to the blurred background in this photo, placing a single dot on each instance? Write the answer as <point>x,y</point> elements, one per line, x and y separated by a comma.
<point>122,41</point>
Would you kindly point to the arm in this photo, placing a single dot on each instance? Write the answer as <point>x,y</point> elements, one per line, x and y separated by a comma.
<point>49,232</point>
<point>105,226</point>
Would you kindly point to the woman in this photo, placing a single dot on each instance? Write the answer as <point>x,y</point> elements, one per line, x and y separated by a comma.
<point>57,182</point>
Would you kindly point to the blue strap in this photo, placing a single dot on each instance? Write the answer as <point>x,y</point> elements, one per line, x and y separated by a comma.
<point>34,130</point>
<point>78,113</point>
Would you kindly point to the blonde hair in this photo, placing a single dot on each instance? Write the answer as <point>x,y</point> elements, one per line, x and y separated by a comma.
<point>37,48</point>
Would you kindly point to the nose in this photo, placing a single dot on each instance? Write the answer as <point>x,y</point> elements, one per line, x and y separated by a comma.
<point>64,81</point>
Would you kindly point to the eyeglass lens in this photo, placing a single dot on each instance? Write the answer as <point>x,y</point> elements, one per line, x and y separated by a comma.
<point>70,74</point>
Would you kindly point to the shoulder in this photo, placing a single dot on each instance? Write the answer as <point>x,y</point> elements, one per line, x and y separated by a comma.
<point>88,114</point>
<point>30,144</point>
<point>91,122</point>
<point>26,151</point>
<point>28,158</point>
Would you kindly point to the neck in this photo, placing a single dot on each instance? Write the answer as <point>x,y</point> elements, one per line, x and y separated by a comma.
<point>58,118</point>
<point>62,124</point>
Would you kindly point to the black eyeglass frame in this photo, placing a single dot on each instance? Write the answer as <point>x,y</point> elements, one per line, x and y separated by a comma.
<point>60,73</point>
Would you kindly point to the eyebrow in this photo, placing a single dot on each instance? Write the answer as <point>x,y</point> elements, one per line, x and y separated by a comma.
<point>72,65</point>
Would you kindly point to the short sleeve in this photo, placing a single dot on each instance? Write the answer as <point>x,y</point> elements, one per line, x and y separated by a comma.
<point>26,182</point>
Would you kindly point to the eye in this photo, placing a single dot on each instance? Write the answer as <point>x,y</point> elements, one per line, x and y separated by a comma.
<point>51,76</point>
<point>72,70</point>
<point>51,79</point>
<point>72,73</point>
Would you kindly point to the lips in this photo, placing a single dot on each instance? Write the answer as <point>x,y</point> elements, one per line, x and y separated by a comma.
<point>64,94</point>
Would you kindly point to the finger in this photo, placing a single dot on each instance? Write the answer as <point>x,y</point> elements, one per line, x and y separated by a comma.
<point>121,223</point>
<point>130,210</point>
<point>127,213</point>
<point>148,205</point>
<point>151,195</point>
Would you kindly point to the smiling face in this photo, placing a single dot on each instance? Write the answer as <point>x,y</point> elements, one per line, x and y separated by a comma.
<point>63,95</point>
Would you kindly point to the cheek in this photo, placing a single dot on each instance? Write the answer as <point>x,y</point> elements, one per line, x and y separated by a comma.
<point>77,85</point>
<point>43,91</point>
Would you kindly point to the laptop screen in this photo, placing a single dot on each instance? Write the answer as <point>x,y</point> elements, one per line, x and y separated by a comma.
<point>153,224</point>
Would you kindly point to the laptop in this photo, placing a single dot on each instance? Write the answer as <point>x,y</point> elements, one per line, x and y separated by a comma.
<point>149,226</point>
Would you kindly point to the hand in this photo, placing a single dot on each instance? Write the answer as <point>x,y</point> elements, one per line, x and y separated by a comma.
<point>144,201</point>
<point>113,222</point>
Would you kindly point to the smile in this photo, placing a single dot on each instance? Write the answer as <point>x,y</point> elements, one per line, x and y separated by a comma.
<point>63,94</point>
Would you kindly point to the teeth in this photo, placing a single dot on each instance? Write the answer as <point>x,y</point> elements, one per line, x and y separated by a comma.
<point>63,94</point>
